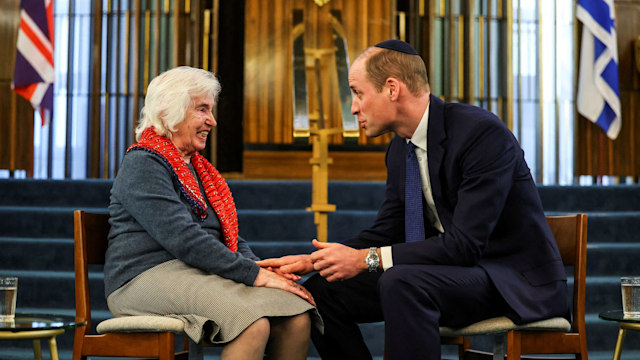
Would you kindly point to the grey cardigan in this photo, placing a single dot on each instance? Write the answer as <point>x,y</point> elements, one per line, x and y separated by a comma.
<point>151,223</point>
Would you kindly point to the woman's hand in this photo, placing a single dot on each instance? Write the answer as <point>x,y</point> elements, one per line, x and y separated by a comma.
<point>272,280</point>
<point>292,277</point>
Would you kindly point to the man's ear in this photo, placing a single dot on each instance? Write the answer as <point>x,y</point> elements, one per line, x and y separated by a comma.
<point>392,87</point>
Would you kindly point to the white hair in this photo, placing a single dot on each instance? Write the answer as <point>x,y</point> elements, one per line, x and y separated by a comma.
<point>169,96</point>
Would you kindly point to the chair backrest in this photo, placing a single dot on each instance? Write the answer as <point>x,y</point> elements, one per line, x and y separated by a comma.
<point>570,232</point>
<point>90,240</point>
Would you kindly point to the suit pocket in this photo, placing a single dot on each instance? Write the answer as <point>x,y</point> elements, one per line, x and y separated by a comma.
<point>546,274</point>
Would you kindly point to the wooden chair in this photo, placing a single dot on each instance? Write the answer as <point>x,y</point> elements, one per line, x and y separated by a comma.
<point>551,336</point>
<point>130,336</point>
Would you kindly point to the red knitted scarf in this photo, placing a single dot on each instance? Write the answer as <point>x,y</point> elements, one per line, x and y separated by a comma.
<point>215,187</point>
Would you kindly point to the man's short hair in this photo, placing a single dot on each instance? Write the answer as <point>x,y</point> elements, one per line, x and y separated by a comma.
<point>409,69</point>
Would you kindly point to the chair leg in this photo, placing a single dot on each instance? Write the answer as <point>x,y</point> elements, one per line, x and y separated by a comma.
<point>53,348</point>
<point>514,345</point>
<point>463,347</point>
<point>498,347</point>
<point>619,343</point>
<point>166,346</point>
<point>37,349</point>
<point>195,351</point>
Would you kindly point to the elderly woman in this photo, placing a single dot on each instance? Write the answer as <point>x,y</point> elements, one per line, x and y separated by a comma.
<point>174,248</point>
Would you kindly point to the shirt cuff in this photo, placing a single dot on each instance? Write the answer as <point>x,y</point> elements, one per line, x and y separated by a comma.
<point>387,257</point>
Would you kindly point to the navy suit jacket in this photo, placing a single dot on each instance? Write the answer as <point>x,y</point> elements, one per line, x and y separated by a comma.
<point>489,207</point>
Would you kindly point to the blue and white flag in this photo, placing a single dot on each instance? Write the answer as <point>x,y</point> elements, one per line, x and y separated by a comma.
<point>598,90</point>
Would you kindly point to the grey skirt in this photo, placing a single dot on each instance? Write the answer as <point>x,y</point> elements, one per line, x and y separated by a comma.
<point>209,305</point>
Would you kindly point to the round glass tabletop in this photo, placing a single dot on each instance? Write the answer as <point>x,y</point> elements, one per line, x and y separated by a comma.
<point>618,315</point>
<point>30,322</point>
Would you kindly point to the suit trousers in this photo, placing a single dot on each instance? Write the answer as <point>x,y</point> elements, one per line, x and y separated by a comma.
<point>412,300</point>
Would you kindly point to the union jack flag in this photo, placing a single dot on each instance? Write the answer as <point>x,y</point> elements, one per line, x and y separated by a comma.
<point>33,75</point>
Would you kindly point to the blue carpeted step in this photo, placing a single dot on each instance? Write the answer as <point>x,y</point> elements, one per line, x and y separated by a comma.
<point>614,227</point>
<point>290,224</point>
<point>590,198</point>
<point>276,225</point>
<point>602,294</point>
<point>345,224</point>
<point>271,195</point>
<point>248,194</point>
<point>348,195</point>
<point>34,222</point>
<point>297,194</point>
<point>613,259</point>
<point>255,225</point>
<point>52,193</point>
<point>36,253</point>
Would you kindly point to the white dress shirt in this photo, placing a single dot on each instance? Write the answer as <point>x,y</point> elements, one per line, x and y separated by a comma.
<point>419,139</point>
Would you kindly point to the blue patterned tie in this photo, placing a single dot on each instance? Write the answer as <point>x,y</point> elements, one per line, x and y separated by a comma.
<point>413,220</point>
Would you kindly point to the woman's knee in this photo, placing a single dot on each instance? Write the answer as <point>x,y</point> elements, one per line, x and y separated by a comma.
<point>300,322</point>
<point>292,325</point>
<point>260,329</point>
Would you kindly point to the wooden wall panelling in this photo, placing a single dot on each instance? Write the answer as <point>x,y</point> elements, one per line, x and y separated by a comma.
<point>16,113</point>
<point>625,161</point>
<point>281,41</point>
<point>347,165</point>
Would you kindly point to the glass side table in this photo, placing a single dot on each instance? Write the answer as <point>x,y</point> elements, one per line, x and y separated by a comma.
<point>36,327</point>
<point>625,323</point>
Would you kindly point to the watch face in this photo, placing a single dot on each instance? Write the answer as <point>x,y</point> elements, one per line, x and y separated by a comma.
<point>372,260</point>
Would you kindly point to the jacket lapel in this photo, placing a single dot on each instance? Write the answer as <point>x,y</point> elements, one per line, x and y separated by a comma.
<point>435,151</point>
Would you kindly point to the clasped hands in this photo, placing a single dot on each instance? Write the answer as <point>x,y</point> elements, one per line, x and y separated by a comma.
<point>333,261</point>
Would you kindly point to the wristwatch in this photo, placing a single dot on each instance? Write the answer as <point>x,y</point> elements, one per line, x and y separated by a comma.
<point>372,260</point>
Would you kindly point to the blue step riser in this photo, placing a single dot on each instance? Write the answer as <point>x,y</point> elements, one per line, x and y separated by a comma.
<point>297,194</point>
<point>277,225</point>
<point>36,254</point>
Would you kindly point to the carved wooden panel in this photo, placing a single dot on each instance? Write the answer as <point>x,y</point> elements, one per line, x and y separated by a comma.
<point>269,33</point>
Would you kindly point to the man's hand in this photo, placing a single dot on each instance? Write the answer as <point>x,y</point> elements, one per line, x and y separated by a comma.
<point>290,264</point>
<point>337,262</point>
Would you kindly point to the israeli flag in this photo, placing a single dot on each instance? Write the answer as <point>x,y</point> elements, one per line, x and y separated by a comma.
<point>598,90</point>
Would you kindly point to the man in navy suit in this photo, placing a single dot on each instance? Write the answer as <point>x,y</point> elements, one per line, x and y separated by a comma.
<point>483,246</point>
